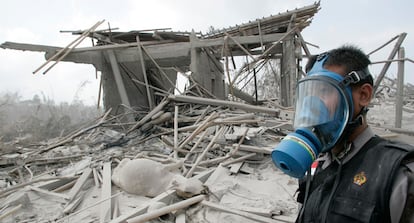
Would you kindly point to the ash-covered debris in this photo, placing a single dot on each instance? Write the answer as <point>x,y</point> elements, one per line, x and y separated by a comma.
<point>181,160</point>
<point>195,161</point>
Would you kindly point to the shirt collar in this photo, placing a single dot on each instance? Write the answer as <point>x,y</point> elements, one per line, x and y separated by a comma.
<point>358,143</point>
<point>356,146</point>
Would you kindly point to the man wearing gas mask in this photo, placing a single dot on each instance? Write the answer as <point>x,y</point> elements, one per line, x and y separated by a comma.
<point>356,176</point>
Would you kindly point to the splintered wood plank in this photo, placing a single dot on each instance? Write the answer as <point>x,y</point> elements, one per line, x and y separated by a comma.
<point>53,185</point>
<point>79,183</point>
<point>72,206</point>
<point>64,196</point>
<point>165,210</point>
<point>105,207</point>
<point>255,149</point>
<point>165,197</point>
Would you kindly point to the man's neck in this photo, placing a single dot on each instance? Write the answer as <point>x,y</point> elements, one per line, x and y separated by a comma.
<point>339,147</point>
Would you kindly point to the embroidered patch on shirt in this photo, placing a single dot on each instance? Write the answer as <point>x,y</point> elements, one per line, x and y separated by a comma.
<point>360,178</point>
<point>314,166</point>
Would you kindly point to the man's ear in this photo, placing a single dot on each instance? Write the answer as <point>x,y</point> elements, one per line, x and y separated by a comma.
<point>366,92</point>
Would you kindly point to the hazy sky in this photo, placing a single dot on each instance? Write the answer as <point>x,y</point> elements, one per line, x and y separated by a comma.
<point>366,23</point>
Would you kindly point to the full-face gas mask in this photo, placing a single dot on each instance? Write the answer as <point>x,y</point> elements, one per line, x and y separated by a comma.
<point>323,110</point>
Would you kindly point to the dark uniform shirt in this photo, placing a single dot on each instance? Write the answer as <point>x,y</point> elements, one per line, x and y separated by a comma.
<point>401,189</point>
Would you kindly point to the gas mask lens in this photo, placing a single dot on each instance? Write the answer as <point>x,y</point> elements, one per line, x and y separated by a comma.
<point>317,103</point>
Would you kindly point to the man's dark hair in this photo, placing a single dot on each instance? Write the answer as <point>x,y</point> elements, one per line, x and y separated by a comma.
<point>352,58</point>
<point>349,56</point>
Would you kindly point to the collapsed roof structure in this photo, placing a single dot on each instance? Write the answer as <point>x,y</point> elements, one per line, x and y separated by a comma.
<point>76,178</point>
<point>138,65</point>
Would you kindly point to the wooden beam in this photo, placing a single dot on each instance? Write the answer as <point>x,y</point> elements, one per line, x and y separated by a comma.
<point>43,191</point>
<point>217,102</point>
<point>239,39</point>
<point>149,115</point>
<point>106,207</point>
<point>255,149</point>
<point>165,210</point>
<point>67,50</point>
<point>176,131</point>
<point>303,44</point>
<point>159,68</point>
<point>144,72</point>
<point>251,216</point>
<point>203,154</point>
<point>199,128</point>
<point>240,159</point>
<point>69,208</point>
<point>79,183</point>
<point>387,65</point>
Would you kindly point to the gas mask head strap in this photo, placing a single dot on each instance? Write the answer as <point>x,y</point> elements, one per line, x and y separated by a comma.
<point>355,77</point>
<point>352,77</point>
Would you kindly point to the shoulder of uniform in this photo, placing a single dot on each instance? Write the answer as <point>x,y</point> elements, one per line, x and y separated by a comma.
<point>399,145</point>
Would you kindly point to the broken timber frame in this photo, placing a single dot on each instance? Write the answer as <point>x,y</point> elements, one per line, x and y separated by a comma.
<point>115,55</point>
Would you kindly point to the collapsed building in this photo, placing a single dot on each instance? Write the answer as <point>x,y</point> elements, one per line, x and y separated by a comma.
<point>138,65</point>
<point>79,177</point>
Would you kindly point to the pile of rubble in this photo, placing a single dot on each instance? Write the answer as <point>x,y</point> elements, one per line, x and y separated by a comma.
<point>181,162</point>
<point>189,159</point>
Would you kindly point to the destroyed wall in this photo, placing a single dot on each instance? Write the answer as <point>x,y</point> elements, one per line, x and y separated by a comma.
<point>150,54</point>
<point>134,84</point>
<point>208,72</point>
<point>222,145</point>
